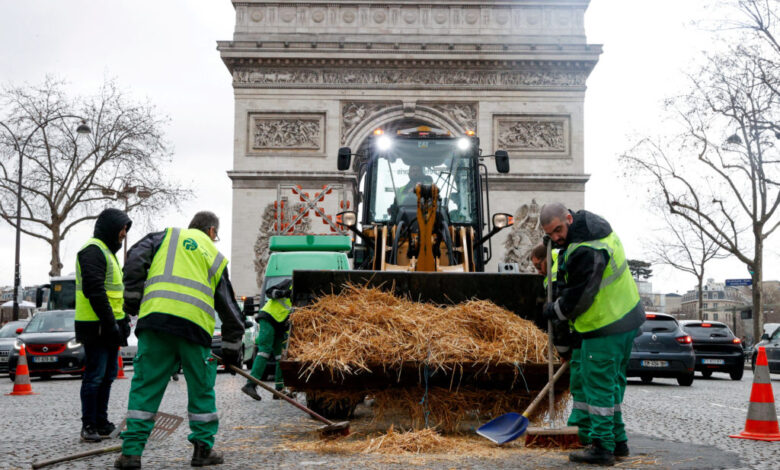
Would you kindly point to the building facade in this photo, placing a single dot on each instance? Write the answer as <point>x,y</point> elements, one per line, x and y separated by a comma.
<point>719,303</point>
<point>312,76</point>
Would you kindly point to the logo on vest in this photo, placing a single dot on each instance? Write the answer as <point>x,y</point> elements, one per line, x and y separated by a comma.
<point>190,244</point>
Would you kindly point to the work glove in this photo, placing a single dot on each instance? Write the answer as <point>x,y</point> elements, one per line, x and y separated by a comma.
<point>111,334</point>
<point>231,357</point>
<point>549,312</point>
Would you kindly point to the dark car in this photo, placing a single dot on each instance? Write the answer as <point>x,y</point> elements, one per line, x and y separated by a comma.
<point>662,349</point>
<point>50,343</point>
<point>771,344</point>
<point>8,334</point>
<point>717,348</point>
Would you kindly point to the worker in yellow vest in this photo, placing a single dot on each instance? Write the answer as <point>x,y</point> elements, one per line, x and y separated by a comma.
<point>273,323</point>
<point>177,282</point>
<point>101,324</point>
<point>597,293</point>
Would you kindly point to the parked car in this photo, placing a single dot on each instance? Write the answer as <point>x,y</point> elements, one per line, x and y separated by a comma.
<point>8,334</point>
<point>50,343</point>
<point>717,348</point>
<point>771,344</point>
<point>662,349</point>
<point>250,334</point>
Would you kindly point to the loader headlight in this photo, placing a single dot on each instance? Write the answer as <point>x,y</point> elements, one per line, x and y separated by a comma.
<point>348,218</point>
<point>383,143</point>
<point>464,143</point>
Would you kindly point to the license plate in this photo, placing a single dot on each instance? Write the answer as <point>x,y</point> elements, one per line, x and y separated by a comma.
<point>44,358</point>
<point>655,363</point>
<point>3,358</point>
<point>715,362</point>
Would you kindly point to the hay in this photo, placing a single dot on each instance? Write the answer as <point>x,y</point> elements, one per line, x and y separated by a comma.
<point>344,333</point>
<point>425,440</point>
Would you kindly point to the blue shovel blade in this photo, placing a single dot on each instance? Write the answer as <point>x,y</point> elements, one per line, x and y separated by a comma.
<point>505,428</point>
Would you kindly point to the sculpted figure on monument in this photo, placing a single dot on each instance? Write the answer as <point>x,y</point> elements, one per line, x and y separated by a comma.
<point>532,135</point>
<point>525,233</point>
<point>287,133</point>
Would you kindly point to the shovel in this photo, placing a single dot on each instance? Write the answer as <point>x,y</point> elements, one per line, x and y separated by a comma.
<point>164,425</point>
<point>330,428</point>
<point>510,426</point>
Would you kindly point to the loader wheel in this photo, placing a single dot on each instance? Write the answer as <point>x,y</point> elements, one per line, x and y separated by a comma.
<point>341,409</point>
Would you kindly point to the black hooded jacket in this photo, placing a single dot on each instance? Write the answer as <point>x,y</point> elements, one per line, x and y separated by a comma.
<point>107,331</point>
<point>580,277</point>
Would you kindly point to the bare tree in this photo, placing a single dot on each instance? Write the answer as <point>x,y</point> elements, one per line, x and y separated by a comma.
<point>722,173</point>
<point>686,248</point>
<point>77,154</point>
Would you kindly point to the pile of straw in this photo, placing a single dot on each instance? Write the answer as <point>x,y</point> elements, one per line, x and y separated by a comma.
<point>344,333</point>
<point>393,442</point>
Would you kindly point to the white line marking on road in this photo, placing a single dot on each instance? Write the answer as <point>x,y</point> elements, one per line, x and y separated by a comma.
<point>677,396</point>
<point>737,409</point>
<point>717,404</point>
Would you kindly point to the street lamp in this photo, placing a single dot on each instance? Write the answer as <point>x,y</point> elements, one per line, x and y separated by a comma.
<point>124,194</point>
<point>21,149</point>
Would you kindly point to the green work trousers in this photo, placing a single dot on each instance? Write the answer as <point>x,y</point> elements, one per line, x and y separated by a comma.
<point>604,364</point>
<point>269,341</point>
<point>159,355</point>
<point>579,411</point>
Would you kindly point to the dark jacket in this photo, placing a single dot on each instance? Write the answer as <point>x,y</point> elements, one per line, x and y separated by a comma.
<point>139,260</point>
<point>580,276</point>
<point>107,331</point>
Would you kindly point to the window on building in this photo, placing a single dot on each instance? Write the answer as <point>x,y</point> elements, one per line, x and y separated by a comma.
<point>715,316</point>
<point>704,305</point>
<point>721,295</point>
<point>706,317</point>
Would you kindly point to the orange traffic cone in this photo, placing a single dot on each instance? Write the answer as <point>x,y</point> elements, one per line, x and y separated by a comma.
<point>761,423</point>
<point>22,382</point>
<point>120,374</point>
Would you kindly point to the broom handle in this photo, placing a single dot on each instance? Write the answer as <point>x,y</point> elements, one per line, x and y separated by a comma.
<point>549,328</point>
<point>276,393</point>
<point>67,458</point>
<point>547,387</point>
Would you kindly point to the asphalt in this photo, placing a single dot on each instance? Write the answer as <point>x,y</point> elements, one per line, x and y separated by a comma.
<point>669,427</point>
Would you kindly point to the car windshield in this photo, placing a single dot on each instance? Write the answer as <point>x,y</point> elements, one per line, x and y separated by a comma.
<point>9,330</point>
<point>49,322</point>
<point>659,325</point>
<point>707,330</point>
<point>397,170</point>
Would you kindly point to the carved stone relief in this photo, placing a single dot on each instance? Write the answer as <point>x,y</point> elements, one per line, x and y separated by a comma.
<point>400,78</point>
<point>524,235</point>
<point>291,132</point>
<point>547,135</point>
<point>353,113</point>
<point>464,114</point>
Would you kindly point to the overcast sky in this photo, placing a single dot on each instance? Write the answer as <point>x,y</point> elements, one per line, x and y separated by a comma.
<point>166,51</point>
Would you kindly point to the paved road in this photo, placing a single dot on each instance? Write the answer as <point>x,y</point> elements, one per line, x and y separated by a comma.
<point>669,427</point>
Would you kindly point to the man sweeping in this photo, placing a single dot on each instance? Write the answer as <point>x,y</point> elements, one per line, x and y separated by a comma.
<point>179,281</point>
<point>596,292</point>
<point>273,323</point>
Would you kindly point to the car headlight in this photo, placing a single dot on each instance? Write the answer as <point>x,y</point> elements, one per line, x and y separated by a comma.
<point>73,344</point>
<point>18,344</point>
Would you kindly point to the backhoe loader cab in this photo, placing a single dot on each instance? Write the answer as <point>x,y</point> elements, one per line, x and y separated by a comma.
<point>424,201</point>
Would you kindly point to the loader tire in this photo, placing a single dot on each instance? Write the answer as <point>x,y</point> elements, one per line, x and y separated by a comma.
<point>341,409</point>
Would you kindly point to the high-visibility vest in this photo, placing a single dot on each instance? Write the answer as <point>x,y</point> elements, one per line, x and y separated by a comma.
<point>618,294</point>
<point>554,270</point>
<point>115,289</point>
<point>183,277</point>
<point>278,310</point>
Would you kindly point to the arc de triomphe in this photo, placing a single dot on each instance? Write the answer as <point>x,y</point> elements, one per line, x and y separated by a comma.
<point>312,76</point>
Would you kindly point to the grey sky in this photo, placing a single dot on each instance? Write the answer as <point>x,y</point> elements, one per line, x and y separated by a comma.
<point>165,51</point>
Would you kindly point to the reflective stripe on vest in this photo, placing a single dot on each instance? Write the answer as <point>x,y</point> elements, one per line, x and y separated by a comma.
<point>183,277</point>
<point>617,294</point>
<point>113,285</point>
<point>555,254</point>
<point>278,310</point>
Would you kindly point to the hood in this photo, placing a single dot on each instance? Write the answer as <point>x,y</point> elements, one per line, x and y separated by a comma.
<point>47,338</point>
<point>108,225</point>
<point>587,226</point>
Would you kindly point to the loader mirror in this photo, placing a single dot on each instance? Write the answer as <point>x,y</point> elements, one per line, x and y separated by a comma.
<point>502,220</point>
<point>348,218</point>
<point>344,158</point>
<point>502,161</point>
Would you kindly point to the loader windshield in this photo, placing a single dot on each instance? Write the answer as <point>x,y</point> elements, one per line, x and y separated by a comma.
<point>397,170</point>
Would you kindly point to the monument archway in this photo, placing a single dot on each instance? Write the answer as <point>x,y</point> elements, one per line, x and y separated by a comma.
<point>310,77</point>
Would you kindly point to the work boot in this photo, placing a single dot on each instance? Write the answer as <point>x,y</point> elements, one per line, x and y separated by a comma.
<point>593,454</point>
<point>621,450</point>
<point>128,462</point>
<point>251,390</point>
<point>89,433</point>
<point>203,455</point>
<point>286,393</point>
<point>105,430</point>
